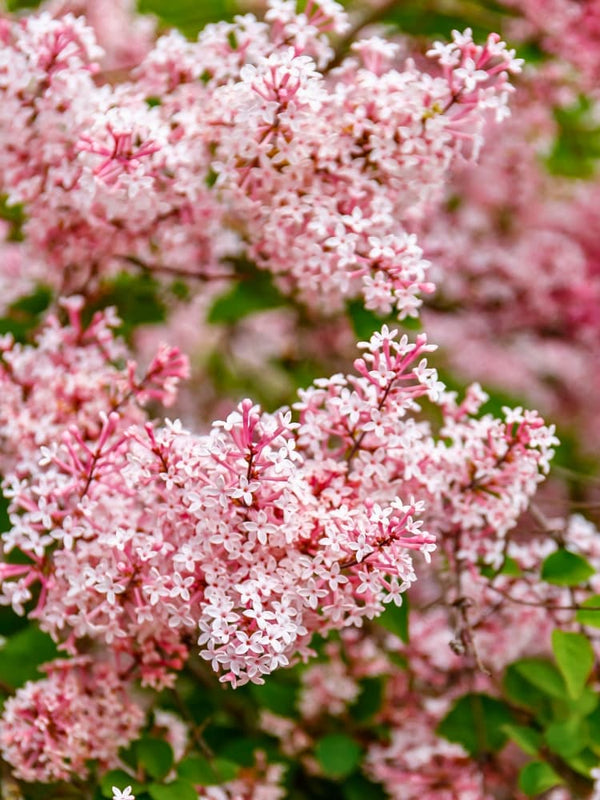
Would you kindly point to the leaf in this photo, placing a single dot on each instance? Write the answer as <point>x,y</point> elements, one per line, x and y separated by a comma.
<point>528,739</point>
<point>155,756</point>
<point>575,658</point>
<point>225,769</point>
<point>190,16</point>
<point>4,520</point>
<point>338,755</point>
<point>357,787</point>
<point>476,722</point>
<point>364,322</point>
<point>395,619</point>
<point>120,779</point>
<point>23,653</point>
<point>240,750</point>
<point>542,674</point>
<point>178,789</point>
<point>587,617</point>
<point>564,568</point>
<point>584,762</point>
<point>577,146</point>
<point>137,298</point>
<point>198,770</point>
<point>278,697</point>
<point>593,722</point>
<point>537,777</point>
<point>582,705</point>
<point>567,738</point>
<point>254,293</point>
<point>22,316</point>
<point>369,700</point>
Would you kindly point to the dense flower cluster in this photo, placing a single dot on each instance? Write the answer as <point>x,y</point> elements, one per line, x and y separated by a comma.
<point>569,28</point>
<point>313,171</point>
<point>517,263</point>
<point>264,530</point>
<point>192,557</point>
<point>51,728</point>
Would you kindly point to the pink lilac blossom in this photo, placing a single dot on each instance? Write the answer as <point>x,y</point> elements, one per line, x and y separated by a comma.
<point>314,171</point>
<point>71,377</point>
<point>51,728</point>
<point>517,266</point>
<point>124,35</point>
<point>569,29</point>
<point>264,530</point>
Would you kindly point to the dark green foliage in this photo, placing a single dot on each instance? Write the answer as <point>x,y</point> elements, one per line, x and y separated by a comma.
<point>254,292</point>
<point>189,16</point>
<point>477,722</point>
<point>138,298</point>
<point>338,755</point>
<point>395,619</point>
<point>577,147</point>
<point>22,654</point>
<point>23,316</point>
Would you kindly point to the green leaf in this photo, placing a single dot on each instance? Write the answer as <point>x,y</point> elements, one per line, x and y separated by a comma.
<point>567,738</point>
<point>254,293</point>
<point>178,789</point>
<point>276,696</point>
<point>357,787</point>
<point>23,653</point>
<point>23,316</point>
<point>521,692</point>
<point>577,147</point>
<point>338,755</point>
<point>589,617</point>
<point>225,769</point>
<point>583,762</point>
<point>593,722</point>
<point>510,567</point>
<point>155,756</point>
<point>13,214</point>
<point>189,16</point>
<point>137,298</point>
<point>542,674</point>
<point>240,750</point>
<point>476,722</point>
<point>416,18</point>
<point>575,658</point>
<point>537,777</point>
<point>582,705</point>
<point>17,5</point>
<point>528,739</point>
<point>120,779</point>
<point>395,619</point>
<point>564,568</point>
<point>198,770</point>
<point>369,700</point>
<point>364,322</point>
<point>4,520</point>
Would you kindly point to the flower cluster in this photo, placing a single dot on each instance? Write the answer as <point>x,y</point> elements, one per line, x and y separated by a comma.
<point>263,531</point>
<point>314,170</point>
<point>193,557</point>
<point>518,267</point>
<point>53,727</point>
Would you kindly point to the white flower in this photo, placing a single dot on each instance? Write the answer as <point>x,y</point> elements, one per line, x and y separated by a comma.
<point>122,795</point>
